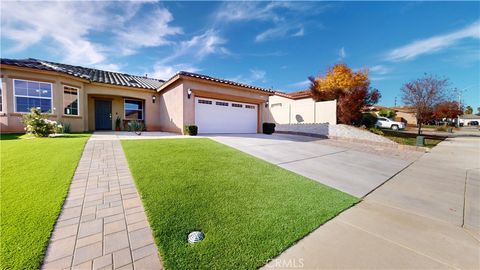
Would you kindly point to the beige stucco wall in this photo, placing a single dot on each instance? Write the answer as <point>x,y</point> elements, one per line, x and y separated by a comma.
<point>410,117</point>
<point>288,111</point>
<point>236,93</point>
<point>11,121</point>
<point>170,116</point>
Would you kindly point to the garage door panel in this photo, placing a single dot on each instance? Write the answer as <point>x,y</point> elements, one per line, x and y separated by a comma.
<point>221,116</point>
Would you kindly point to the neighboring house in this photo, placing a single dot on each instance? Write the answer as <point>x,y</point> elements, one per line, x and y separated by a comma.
<point>91,99</point>
<point>299,107</point>
<point>404,114</point>
<point>467,118</point>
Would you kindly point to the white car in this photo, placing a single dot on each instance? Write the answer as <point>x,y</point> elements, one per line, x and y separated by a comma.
<point>383,122</point>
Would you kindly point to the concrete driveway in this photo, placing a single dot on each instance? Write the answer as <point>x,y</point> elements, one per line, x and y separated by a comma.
<point>343,166</point>
<point>425,217</point>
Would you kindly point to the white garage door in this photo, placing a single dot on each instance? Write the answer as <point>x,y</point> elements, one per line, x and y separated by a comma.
<point>221,116</point>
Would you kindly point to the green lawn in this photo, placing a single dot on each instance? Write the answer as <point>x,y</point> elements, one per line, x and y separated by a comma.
<point>35,175</point>
<point>249,210</point>
<point>430,143</point>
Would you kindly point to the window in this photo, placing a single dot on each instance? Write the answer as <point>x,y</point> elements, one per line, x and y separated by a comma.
<point>236,105</point>
<point>31,94</point>
<point>219,103</point>
<point>249,106</point>
<point>203,101</point>
<point>133,109</point>
<point>70,101</point>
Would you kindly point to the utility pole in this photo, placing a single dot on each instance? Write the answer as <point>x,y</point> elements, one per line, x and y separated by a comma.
<point>395,102</point>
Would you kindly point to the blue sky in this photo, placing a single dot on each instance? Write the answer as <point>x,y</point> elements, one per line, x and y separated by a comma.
<point>269,44</point>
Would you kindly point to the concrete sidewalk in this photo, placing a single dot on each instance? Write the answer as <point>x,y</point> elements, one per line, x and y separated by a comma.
<point>425,217</point>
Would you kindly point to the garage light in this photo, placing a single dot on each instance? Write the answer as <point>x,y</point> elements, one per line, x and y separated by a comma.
<point>154,98</point>
<point>189,93</point>
<point>266,104</point>
<point>195,236</point>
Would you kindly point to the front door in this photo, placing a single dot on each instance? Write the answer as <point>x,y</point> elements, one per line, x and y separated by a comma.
<point>103,114</point>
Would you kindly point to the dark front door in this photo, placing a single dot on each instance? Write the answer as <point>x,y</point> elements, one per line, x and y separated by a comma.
<point>103,114</point>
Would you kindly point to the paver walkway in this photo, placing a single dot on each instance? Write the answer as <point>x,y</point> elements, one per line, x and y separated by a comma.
<point>102,224</point>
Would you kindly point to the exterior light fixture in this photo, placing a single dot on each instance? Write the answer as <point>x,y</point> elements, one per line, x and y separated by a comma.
<point>266,104</point>
<point>154,98</point>
<point>189,93</point>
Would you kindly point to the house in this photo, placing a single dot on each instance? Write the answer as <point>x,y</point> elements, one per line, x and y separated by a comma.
<point>91,99</point>
<point>404,114</point>
<point>467,118</point>
<point>299,107</point>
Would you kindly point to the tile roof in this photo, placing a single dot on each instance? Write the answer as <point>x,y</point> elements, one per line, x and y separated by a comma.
<point>209,78</point>
<point>301,94</point>
<point>91,74</point>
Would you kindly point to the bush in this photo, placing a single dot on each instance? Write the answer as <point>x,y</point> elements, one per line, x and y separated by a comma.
<point>37,124</point>
<point>65,127</point>
<point>268,128</point>
<point>387,113</point>
<point>377,131</point>
<point>135,126</point>
<point>191,130</point>
<point>441,128</point>
<point>368,120</point>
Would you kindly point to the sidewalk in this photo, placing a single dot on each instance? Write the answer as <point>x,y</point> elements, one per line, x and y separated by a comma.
<point>102,224</point>
<point>427,216</point>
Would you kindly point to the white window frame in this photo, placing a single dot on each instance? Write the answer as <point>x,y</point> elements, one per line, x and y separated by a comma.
<point>63,98</point>
<point>125,111</point>
<point>1,94</point>
<point>52,108</point>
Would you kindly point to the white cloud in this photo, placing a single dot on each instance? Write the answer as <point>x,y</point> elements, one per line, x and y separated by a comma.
<point>165,72</point>
<point>379,69</point>
<point>67,24</point>
<point>67,28</point>
<point>280,31</point>
<point>199,47</point>
<point>433,44</point>
<point>151,31</point>
<point>109,67</point>
<point>282,15</point>
<point>342,53</point>
<point>300,84</point>
<point>254,76</point>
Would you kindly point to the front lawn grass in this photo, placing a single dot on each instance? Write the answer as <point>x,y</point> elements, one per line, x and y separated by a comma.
<point>430,143</point>
<point>35,176</point>
<point>249,210</point>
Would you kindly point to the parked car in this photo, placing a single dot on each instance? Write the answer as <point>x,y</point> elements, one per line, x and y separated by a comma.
<point>383,122</point>
<point>473,123</point>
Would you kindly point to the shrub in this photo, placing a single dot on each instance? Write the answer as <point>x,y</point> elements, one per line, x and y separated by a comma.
<point>441,128</point>
<point>377,131</point>
<point>191,130</point>
<point>387,113</point>
<point>64,127</point>
<point>368,120</point>
<point>37,124</point>
<point>268,128</point>
<point>135,126</point>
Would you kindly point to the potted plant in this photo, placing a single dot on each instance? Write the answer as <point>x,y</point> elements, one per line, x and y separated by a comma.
<point>118,124</point>
<point>135,126</point>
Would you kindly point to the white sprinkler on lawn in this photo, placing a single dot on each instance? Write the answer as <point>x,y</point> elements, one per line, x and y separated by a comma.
<point>195,236</point>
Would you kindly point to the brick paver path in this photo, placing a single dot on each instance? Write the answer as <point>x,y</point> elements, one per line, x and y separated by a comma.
<point>102,224</point>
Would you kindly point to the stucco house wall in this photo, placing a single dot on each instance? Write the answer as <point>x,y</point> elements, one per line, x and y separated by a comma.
<point>10,121</point>
<point>181,109</point>
<point>285,110</point>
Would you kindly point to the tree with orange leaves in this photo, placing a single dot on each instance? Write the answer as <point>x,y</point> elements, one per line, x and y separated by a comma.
<point>351,90</point>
